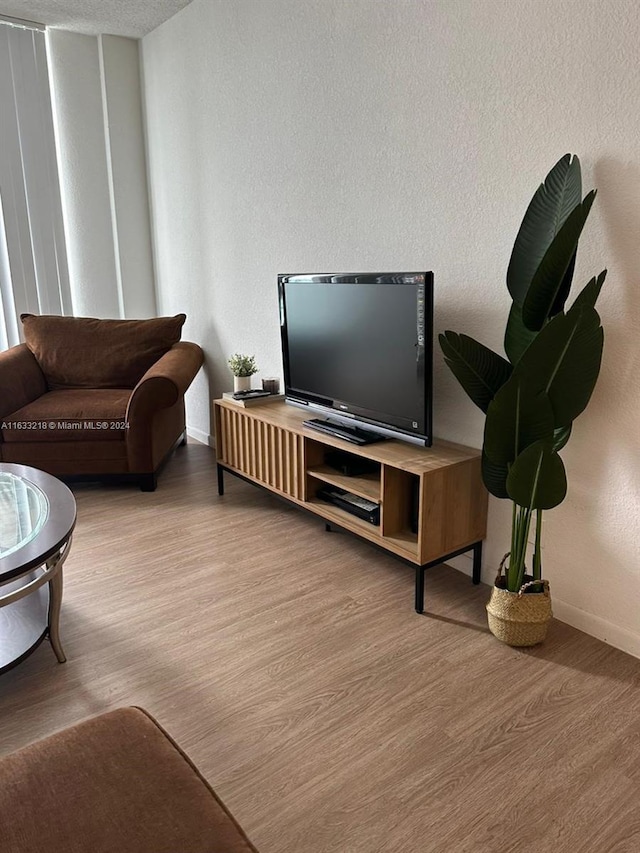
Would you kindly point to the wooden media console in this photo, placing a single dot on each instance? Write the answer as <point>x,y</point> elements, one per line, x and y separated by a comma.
<point>433,504</point>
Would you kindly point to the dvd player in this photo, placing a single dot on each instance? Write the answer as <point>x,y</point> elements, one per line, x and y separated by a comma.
<point>361,507</point>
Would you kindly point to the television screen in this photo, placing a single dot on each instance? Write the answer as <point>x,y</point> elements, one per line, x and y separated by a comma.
<point>360,346</point>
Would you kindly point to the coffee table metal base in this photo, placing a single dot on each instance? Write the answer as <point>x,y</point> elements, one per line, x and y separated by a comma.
<point>30,611</point>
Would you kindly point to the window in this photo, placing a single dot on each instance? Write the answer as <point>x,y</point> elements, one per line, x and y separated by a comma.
<point>33,260</point>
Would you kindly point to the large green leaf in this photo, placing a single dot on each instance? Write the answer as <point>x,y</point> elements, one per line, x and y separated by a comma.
<point>479,370</point>
<point>494,477</point>
<point>560,437</point>
<point>590,292</point>
<point>516,336</point>
<point>551,204</point>
<point>564,361</point>
<point>564,289</point>
<point>537,479</point>
<point>548,279</point>
<point>516,418</point>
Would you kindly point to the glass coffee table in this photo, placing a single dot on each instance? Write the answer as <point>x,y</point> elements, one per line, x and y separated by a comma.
<point>37,517</point>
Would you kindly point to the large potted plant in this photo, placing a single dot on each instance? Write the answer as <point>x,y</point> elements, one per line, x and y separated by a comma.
<point>532,397</point>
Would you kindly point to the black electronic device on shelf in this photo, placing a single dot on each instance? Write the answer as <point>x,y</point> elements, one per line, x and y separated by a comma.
<point>354,504</point>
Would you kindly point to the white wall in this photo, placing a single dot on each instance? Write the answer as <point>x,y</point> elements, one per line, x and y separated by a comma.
<point>406,134</point>
<point>97,106</point>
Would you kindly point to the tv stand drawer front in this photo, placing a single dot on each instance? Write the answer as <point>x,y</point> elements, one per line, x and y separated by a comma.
<point>262,451</point>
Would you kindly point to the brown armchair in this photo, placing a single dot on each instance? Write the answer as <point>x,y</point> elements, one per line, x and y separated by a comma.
<point>95,399</point>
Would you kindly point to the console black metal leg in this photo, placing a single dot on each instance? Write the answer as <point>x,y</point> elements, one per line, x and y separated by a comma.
<point>477,562</point>
<point>220,480</point>
<point>327,527</point>
<point>420,570</point>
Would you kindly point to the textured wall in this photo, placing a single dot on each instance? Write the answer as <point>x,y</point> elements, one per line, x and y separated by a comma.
<point>370,134</point>
<point>97,108</point>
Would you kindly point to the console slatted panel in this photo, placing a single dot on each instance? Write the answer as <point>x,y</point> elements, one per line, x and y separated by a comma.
<point>263,451</point>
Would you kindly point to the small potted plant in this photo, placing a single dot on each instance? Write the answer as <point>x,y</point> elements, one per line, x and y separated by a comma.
<point>243,367</point>
<point>532,397</point>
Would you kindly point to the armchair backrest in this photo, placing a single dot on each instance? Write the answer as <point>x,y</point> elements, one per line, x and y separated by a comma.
<point>84,352</point>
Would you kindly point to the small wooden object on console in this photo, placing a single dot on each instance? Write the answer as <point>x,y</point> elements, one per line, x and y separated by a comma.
<point>433,504</point>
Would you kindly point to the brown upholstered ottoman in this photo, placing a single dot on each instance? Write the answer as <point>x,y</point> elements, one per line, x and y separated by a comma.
<point>114,784</point>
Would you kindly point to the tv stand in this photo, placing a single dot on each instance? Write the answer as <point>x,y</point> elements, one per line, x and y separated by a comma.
<point>352,434</point>
<point>433,504</point>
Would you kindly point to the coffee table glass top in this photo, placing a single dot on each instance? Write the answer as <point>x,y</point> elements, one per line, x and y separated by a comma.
<point>24,509</point>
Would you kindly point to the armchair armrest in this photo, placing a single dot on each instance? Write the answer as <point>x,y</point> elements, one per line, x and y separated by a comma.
<point>21,379</point>
<point>166,381</point>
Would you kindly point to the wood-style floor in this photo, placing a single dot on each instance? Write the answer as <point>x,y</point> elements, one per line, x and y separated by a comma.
<point>290,665</point>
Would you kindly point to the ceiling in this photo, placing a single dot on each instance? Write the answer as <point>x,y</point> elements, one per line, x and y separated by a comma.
<point>134,18</point>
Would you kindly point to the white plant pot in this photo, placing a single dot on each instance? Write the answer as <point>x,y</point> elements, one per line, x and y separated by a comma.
<point>241,383</point>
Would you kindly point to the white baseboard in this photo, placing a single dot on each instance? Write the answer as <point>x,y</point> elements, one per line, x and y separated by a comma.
<point>620,638</point>
<point>202,437</point>
<point>614,635</point>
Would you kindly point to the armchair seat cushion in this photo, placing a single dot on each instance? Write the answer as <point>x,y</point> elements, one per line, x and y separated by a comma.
<point>70,415</point>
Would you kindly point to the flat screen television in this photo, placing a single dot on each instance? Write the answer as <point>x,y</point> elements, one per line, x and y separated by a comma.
<point>358,349</point>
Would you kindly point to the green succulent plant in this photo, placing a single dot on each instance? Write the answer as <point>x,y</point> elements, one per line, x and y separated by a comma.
<point>532,397</point>
<point>243,365</point>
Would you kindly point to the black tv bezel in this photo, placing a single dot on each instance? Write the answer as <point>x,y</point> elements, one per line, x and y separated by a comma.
<point>380,422</point>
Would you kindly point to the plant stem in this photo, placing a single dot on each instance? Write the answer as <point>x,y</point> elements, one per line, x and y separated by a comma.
<point>516,557</point>
<point>526,525</point>
<point>519,554</point>
<point>537,555</point>
<point>513,555</point>
<point>521,523</point>
<point>514,524</point>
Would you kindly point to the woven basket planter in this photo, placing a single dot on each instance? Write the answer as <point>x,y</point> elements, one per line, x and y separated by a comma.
<point>519,618</point>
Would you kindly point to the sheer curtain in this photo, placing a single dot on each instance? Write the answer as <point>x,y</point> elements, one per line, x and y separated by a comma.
<point>33,260</point>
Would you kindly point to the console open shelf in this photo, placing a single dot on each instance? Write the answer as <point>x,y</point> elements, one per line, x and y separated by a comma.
<point>364,485</point>
<point>433,504</point>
